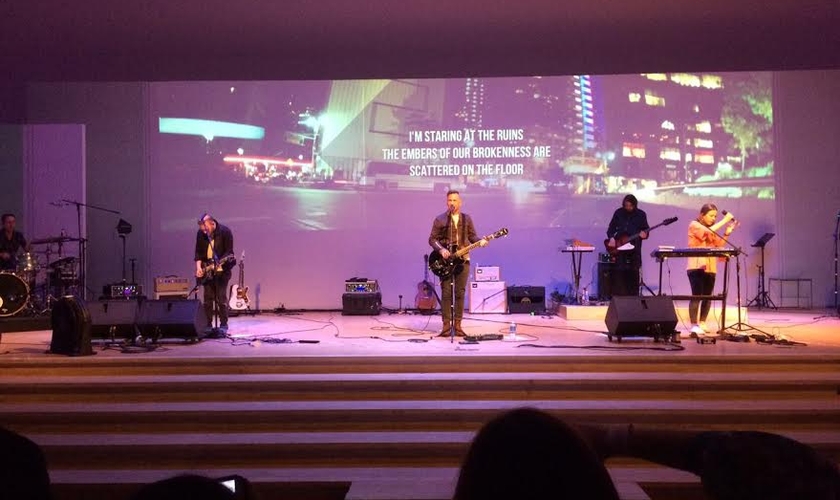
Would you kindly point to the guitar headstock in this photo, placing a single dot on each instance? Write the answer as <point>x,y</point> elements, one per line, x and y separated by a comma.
<point>669,221</point>
<point>498,234</point>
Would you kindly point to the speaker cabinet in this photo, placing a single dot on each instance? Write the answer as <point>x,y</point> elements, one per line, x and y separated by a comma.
<point>488,297</point>
<point>361,303</point>
<point>112,319</point>
<point>70,327</point>
<point>641,316</point>
<point>526,299</point>
<point>605,270</point>
<point>173,318</point>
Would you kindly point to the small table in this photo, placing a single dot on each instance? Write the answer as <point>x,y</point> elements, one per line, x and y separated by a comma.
<point>577,256</point>
<point>799,283</point>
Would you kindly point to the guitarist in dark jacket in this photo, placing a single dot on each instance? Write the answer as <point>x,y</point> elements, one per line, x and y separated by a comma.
<point>213,262</point>
<point>452,230</point>
<point>629,224</point>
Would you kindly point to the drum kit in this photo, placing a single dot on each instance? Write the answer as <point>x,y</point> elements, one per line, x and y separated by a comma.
<point>38,280</point>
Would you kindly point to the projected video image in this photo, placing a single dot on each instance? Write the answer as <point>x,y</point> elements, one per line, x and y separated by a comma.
<point>549,157</point>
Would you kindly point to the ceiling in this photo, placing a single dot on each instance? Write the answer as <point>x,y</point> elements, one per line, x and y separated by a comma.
<point>303,39</point>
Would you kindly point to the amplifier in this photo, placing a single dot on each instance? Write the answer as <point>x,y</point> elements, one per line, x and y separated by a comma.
<point>361,285</point>
<point>488,297</point>
<point>487,273</point>
<point>172,284</point>
<point>526,299</point>
<point>361,304</point>
<point>122,291</point>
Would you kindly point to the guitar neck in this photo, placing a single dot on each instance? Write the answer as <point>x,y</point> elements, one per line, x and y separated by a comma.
<point>460,253</point>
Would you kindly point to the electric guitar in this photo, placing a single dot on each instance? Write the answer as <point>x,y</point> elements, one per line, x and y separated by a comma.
<point>444,268</point>
<point>238,296</point>
<point>623,242</point>
<point>425,300</point>
<point>211,268</point>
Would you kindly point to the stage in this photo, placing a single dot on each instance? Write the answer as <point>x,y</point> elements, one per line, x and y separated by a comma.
<point>320,405</point>
<point>407,334</point>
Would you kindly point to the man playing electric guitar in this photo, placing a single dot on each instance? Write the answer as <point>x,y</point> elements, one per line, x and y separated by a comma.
<point>213,261</point>
<point>627,222</point>
<point>451,231</point>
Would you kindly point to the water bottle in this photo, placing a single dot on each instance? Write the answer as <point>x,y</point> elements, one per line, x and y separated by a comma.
<point>512,331</point>
<point>585,297</point>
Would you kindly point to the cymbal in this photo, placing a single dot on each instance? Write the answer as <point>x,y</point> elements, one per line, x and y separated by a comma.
<point>53,239</point>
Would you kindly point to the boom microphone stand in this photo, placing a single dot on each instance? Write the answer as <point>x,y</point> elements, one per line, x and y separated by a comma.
<point>836,311</point>
<point>83,241</point>
<point>740,327</point>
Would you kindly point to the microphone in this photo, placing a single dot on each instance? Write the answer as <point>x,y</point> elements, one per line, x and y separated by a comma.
<point>733,217</point>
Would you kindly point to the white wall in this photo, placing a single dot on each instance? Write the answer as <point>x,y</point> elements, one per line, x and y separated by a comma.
<point>807,117</point>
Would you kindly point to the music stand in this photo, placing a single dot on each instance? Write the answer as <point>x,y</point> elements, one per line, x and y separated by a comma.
<point>762,298</point>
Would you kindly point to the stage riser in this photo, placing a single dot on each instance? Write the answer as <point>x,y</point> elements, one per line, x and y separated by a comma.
<point>442,419</point>
<point>367,451</point>
<point>513,390</point>
<point>777,361</point>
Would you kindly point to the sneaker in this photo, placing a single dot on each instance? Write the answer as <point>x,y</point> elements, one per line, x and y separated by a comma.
<point>696,330</point>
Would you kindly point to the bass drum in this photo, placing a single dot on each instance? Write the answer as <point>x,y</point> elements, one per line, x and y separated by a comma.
<point>14,294</point>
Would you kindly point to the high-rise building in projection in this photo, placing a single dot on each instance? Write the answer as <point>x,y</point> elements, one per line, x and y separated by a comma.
<point>665,127</point>
<point>560,111</point>
<point>472,111</point>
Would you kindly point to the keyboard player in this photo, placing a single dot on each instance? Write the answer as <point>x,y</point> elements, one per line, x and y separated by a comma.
<point>703,233</point>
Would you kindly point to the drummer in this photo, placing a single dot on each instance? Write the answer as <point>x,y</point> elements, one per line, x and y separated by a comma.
<point>11,242</point>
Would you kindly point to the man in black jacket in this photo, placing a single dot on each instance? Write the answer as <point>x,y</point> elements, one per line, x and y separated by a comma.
<point>453,230</point>
<point>11,242</point>
<point>628,227</point>
<point>213,262</point>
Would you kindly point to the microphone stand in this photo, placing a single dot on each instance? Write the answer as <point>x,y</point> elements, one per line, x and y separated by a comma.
<point>83,241</point>
<point>836,312</point>
<point>740,326</point>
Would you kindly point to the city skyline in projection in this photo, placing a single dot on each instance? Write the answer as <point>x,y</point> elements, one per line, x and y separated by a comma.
<point>299,165</point>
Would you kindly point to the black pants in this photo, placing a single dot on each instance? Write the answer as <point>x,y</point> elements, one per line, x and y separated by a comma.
<point>460,289</point>
<point>702,283</point>
<point>625,280</point>
<point>216,291</point>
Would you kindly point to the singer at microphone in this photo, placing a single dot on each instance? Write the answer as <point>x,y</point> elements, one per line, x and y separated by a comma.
<point>703,233</point>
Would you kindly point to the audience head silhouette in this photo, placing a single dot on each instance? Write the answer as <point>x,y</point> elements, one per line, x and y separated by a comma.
<point>527,454</point>
<point>185,487</point>
<point>23,468</point>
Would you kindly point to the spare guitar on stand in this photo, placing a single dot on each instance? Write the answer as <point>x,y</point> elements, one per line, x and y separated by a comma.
<point>426,300</point>
<point>238,300</point>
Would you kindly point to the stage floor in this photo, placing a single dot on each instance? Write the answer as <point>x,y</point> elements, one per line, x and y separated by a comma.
<point>331,334</point>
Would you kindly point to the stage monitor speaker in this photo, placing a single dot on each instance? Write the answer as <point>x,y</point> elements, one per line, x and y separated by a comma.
<point>173,318</point>
<point>526,299</point>
<point>70,327</point>
<point>113,319</point>
<point>361,303</point>
<point>605,270</point>
<point>641,316</point>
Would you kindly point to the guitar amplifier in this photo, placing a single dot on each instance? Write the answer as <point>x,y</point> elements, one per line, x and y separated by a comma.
<point>174,284</point>
<point>488,297</point>
<point>487,273</point>
<point>526,299</point>
<point>122,291</point>
<point>361,304</point>
<point>361,285</point>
